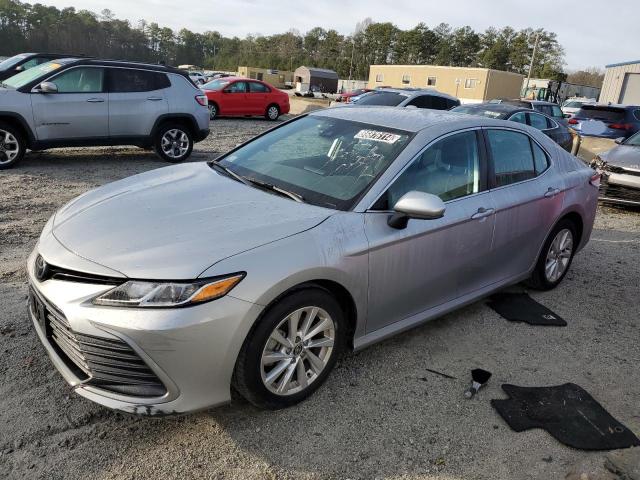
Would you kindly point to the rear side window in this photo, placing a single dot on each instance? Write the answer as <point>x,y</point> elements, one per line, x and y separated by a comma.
<point>512,156</point>
<point>130,80</point>
<point>538,121</point>
<point>556,112</point>
<point>606,114</point>
<point>520,117</point>
<point>540,160</point>
<point>255,87</point>
<point>423,101</point>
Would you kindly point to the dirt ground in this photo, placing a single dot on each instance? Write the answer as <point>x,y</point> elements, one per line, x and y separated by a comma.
<point>380,415</point>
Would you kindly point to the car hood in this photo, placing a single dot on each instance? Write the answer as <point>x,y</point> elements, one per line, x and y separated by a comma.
<point>624,156</point>
<point>175,222</point>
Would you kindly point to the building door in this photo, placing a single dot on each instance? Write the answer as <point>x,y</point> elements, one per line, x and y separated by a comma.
<point>630,93</point>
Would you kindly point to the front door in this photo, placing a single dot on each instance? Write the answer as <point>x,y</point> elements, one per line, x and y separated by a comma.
<point>136,101</point>
<point>431,262</point>
<point>233,99</point>
<point>528,199</point>
<point>79,110</point>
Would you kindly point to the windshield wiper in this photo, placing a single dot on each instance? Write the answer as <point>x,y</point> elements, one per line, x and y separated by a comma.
<point>230,173</point>
<point>268,186</point>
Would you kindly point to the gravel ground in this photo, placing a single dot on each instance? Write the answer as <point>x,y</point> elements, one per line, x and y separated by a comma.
<point>381,414</point>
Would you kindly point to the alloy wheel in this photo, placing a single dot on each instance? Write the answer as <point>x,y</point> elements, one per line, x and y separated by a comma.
<point>175,143</point>
<point>559,255</point>
<point>297,351</point>
<point>213,111</point>
<point>9,147</point>
<point>273,112</point>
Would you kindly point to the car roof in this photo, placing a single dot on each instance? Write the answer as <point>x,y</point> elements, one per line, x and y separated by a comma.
<point>497,107</point>
<point>414,92</point>
<point>122,63</point>
<point>595,106</point>
<point>407,119</point>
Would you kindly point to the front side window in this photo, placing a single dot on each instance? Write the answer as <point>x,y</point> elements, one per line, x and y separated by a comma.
<point>330,162</point>
<point>130,80</point>
<point>520,117</point>
<point>512,156</point>
<point>237,87</point>
<point>422,101</point>
<point>79,80</point>
<point>450,169</point>
<point>556,112</point>
<point>215,84</point>
<point>389,99</point>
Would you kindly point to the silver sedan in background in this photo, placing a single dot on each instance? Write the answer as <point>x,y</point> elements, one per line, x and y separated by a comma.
<point>158,293</point>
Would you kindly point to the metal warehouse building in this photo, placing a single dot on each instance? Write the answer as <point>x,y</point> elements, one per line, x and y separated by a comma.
<point>470,85</point>
<point>621,83</point>
<point>321,78</point>
<point>277,78</point>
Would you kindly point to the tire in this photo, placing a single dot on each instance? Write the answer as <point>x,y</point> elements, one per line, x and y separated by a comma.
<point>213,111</point>
<point>12,146</point>
<point>541,279</point>
<point>181,142</point>
<point>262,384</point>
<point>272,112</point>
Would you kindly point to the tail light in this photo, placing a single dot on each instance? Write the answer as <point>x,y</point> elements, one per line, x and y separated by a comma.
<point>595,180</point>
<point>202,100</point>
<point>621,126</point>
<point>573,121</point>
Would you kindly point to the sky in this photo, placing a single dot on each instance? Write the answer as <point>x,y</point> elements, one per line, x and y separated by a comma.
<point>592,32</point>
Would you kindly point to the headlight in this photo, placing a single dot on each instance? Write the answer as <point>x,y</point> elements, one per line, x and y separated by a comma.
<point>137,293</point>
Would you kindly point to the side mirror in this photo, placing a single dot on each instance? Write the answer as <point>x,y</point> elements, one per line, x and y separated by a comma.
<point>418,205</point>
<point>48,87</point>
<point>620,140</point>
<point>19,68</point>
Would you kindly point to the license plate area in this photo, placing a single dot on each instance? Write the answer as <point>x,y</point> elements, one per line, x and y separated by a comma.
<point>38,310</point>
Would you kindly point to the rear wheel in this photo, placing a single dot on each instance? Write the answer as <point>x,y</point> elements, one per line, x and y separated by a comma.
<point>213,111</point>
<point>272,113</point>
<point>12,146</point>
<point>173,142</point>
<point>291,351</point>
<point>555,258</point>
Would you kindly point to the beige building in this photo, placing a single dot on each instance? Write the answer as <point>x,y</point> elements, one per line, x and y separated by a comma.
<point>470,85</point>
<point>277,78</point>
<point>621,83</point>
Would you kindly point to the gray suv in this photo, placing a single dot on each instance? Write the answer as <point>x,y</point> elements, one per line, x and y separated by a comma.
<point>89,102</point>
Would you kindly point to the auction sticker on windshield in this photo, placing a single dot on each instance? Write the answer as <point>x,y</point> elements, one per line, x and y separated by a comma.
<point>377,136</point>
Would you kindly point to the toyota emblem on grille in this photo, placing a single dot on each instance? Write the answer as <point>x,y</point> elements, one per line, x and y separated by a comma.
<point>41,268</point>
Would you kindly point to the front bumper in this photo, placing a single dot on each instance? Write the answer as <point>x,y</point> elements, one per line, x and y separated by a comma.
<point>622,188</point>
<point>192,350</point>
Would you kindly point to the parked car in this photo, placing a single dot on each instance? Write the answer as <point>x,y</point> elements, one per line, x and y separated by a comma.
<point>550,109</point>
<point>24,61</point>
<point>504,111</point>
<point>71,102</point>
<point>347,96</point>
<point>607,121</point>
<point>620,169</point>
<point>571,106</point>
<point>198,78</point>
<point>237,96</point>
<point>333,231</point>
<point>398,97</point>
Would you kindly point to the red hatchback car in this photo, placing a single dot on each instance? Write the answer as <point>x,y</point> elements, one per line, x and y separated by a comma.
<point>234,96</point>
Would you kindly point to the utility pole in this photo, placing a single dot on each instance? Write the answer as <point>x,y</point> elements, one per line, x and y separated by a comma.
<point>353,47</point>
<point>533,56</point>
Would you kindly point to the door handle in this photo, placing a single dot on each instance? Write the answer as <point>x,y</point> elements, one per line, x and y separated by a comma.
<point>154,99</point>
<point>95,100</point>
<point>551,192</point>
<point>482,213</point>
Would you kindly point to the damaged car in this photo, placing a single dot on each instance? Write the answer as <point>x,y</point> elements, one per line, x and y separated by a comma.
<point>162,292</point>
<point>620,169</point>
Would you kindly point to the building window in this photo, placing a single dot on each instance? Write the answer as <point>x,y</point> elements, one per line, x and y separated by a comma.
<point>379,78</point>
<point>431,81</point>
<point>470,83</point>
<point>406,78</point>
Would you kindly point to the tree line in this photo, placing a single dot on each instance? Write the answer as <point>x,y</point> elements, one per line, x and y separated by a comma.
<point>35,27</point>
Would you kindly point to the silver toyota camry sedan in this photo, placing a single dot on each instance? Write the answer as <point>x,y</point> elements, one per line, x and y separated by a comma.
<point>161,292</point>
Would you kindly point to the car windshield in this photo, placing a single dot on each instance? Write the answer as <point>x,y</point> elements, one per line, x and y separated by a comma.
<point>7,63</point>
<point>478,111</point>
<point>607,114</point>
<point>218,84</point>
<point>23,78</point>
<point>327,161</point>
<point>390,99</point>
<point>634,140</point>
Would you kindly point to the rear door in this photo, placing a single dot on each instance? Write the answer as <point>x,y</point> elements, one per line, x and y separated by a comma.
<point>528,195</point>
<point>258,97</point>
<point>79,110</point>
<point>136,100</point>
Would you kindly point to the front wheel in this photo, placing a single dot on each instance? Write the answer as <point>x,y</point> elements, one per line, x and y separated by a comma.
<point>555,258</point>
<point>12,146</point>
<point>291,351</point>
<point>173,142</point>
<point>272,113</point>
<point>213,111</point>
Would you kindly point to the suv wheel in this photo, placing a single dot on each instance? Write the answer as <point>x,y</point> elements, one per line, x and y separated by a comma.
<point>292,350</point>
<point>173,142</point>
<point>12,146</point>
<point>272,113</point>
<point>555,257</point>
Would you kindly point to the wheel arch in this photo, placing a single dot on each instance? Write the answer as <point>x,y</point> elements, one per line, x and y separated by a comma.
<point>185,119</point>
<point>17,121</point>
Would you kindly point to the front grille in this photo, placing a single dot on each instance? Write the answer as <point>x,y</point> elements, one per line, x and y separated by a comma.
<point>618,192</point>
<point>106,363</point>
